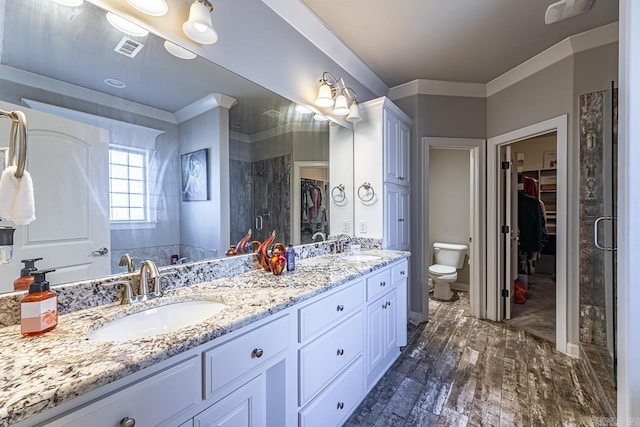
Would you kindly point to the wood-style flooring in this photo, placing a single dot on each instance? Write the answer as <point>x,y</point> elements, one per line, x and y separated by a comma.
<point>458,370</point>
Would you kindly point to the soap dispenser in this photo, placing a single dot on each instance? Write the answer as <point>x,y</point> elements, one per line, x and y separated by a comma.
<point>39,309</point>
<point>22,283</point>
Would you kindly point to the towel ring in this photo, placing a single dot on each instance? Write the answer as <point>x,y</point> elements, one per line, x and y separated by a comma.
<point>337,193</point>
<point>368,194</point>
<point>18,132</point>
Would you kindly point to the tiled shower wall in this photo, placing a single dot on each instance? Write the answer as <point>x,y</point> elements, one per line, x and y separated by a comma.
<point>592,191</point>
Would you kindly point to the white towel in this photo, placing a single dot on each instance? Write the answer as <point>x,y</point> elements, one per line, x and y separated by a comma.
<point>16,197</point>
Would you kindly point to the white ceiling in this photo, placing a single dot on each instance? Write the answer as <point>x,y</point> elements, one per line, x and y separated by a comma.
<point>453,40</point>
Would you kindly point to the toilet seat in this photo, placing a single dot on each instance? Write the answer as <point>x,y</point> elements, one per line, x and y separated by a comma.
<point>441,270</point>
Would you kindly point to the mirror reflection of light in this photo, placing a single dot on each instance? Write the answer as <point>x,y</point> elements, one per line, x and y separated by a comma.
<point>72,3</point>
<point>320,118</point>
<point>150,7</point>
<point>178,51</point>
<point>125,26</point>
<point>302,109</point>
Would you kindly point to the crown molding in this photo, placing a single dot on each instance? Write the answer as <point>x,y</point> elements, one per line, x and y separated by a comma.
<point>591,39</point>
<point>56,86</point>
<point>438,87</point>
<point>572,45</point>
<point>204,104</point>
<point>300,17</point>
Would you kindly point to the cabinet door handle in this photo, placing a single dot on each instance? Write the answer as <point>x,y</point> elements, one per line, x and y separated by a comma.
<point>384,306</point>
<point>340,351</point>
<point>340,307</point>
<point>383,284</point>
<point>388,303</point>
<point>402,273</point>
<point>127,422</point>
<point>340,405</point>
<point>257,352</point>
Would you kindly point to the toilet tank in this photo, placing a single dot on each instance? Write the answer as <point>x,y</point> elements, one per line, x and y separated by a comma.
<point>449,254</point>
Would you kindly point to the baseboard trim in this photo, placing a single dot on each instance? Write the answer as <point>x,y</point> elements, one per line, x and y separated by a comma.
<point>464,287</point>
<point>415,317</point>
<point>573,350</point>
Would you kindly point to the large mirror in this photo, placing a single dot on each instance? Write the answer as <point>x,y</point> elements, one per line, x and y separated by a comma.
<point>134,150</point>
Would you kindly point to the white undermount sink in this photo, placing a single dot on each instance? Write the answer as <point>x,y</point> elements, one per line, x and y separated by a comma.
<point>359,256</point>
<point>157,320</point>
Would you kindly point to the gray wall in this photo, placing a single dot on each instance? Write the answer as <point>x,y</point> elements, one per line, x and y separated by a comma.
<point>441,116</point>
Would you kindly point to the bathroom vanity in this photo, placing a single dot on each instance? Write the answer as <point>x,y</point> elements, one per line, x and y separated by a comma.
<point>302,349</point>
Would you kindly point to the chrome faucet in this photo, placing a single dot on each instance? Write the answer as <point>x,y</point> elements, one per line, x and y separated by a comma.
<point>318,234</point>
<point>340,244</point>
<point>128,261</point>
<point>149,268</point>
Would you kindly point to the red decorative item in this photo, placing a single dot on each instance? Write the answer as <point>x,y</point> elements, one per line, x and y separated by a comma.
<point>243,242</point>
<point>263,255</point>
<point>277,262</point>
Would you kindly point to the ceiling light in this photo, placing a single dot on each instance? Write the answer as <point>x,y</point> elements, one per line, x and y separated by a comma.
<point>199,26</point>
<point>354,113</point>
<point>115,83</point>
<point>331,87</point>
<point>125,26</point>
<point>565,9</point>
<point>320,118</point>
<point>301,109</point>
<point>178,51</point>
<point>69,2</point>
<point>150,7</point>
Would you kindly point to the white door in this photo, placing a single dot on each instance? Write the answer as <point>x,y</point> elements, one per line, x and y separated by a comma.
<point>69,165</point>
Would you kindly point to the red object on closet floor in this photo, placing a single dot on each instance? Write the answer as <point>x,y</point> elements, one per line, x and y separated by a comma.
<point>519,293</point>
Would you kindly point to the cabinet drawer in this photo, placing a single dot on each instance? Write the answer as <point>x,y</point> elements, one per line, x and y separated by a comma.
<point>326,356</point>
<point>400,271</point>
<point>378,283</point>
<point>232,359</point>
<point>319,315</point>
<point>148,402</point>
<point>336,403</point>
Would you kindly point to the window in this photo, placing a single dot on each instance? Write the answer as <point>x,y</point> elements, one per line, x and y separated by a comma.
<point>127,185</point>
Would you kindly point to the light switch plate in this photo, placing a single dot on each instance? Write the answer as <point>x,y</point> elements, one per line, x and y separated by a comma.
<point>363,226</point>
<point>345,226</point>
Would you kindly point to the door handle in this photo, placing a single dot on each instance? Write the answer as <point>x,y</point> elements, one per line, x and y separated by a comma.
<point>100,252</point>
<point>259,222</point>
<point>596,231</point>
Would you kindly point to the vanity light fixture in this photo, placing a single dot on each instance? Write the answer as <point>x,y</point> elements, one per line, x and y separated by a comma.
<point>330,88</point>
<point>150,7</point>
<point>126,26</point>
<point>178,51</point>
<point>199,26</point>
<point>72,3</point>
<point>565,9</point>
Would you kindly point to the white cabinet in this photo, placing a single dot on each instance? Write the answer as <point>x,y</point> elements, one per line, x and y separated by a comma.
<point>396,148</point>
<point>332,342</point>
<point>245,407</point>
<point>381,161</point>
<point>147,403</point>
<point>259,375</point>
<point>382,325</point>
<point>396,217</point>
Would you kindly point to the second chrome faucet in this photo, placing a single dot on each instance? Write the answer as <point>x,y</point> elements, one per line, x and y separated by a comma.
<point>149,284</point>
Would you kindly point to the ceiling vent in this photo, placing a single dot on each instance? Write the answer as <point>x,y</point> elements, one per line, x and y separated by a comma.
<point>565,9</point>
<point>128,47</point>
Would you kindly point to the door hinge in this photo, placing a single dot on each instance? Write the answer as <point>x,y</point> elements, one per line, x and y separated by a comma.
<point>505,293</point>
<point>506,165</point>
<point>504,229</point>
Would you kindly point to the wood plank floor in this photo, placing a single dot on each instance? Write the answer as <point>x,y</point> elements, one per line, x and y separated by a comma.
<point>461,371</point>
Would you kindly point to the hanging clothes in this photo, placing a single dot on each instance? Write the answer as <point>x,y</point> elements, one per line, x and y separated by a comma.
<point>314,213</point>
<point>531,226</point>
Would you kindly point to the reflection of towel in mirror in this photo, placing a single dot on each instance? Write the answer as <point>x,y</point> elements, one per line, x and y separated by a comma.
<point>16,197</point>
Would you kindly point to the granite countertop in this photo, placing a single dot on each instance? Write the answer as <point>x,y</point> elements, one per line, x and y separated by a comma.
<point>42,372</point>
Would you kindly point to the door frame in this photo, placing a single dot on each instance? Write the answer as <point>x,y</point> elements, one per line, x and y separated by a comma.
<point>494,299</point>
<point>477,149</point>
<point>297,199</point>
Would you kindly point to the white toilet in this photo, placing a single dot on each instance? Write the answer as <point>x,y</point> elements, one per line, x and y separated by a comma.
<point>448,259</point>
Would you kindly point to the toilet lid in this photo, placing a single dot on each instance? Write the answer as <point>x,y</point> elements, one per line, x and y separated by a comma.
<point>442,269</point>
